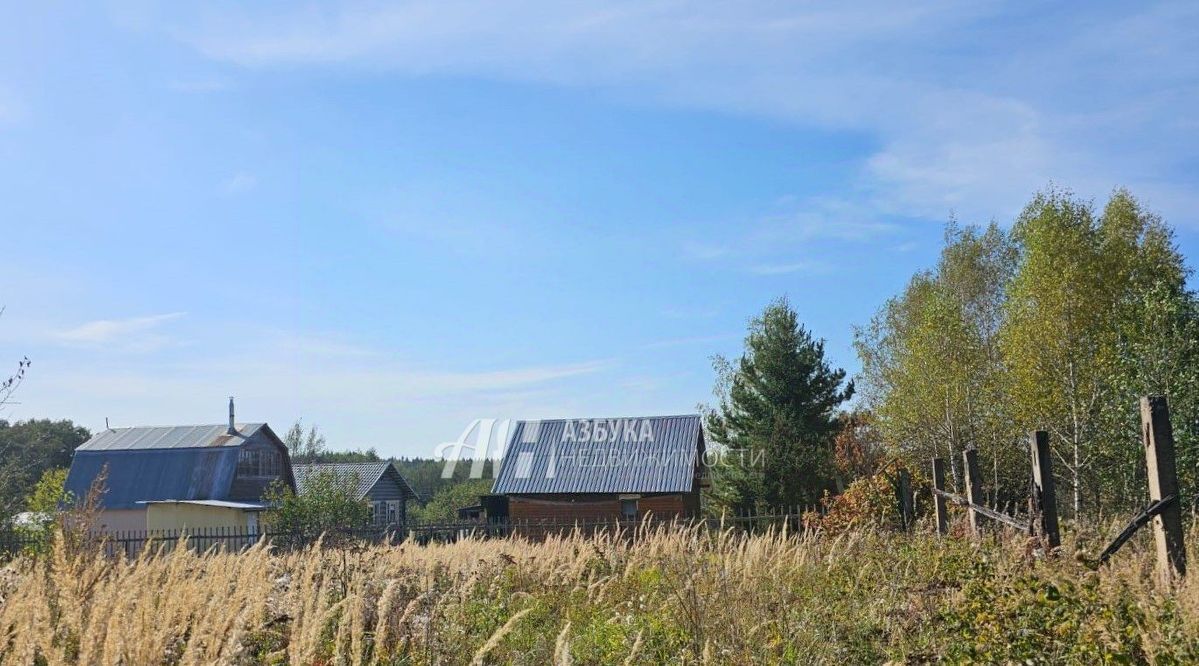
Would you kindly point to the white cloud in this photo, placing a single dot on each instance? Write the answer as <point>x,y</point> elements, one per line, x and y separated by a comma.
<point>793,267</point>
<point>700,251</point>
<point>200,86</point>
<point>360,396</point>
<point>690,340</point>
<point>239,182</point>
<point>133,333</point>
<point>971,106</point>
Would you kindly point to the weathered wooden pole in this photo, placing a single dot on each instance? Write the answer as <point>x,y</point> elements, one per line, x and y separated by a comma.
<point>1044,489</point>
<point>974,488</point>
<point>1158,437</point>
<point>938,500</point>
<point>905,498</point>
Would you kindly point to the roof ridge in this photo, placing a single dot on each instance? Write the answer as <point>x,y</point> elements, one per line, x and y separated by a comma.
<point>614,418</point>
<point>184,425</point>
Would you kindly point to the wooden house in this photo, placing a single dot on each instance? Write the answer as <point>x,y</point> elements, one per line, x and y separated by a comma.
<point>379,484</point>
<point>177,477</point>
<point>602,469</point>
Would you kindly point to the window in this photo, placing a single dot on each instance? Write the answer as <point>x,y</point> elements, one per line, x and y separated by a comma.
<point>393,513</point>
<point>628,509</point>
<point>262,462</point>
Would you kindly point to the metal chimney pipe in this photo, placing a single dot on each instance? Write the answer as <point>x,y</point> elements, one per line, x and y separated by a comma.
<point>232,428</point>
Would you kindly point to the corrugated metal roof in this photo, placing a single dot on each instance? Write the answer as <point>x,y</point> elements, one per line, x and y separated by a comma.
<point>656,454</point>
<point>143,475</point>
<point>365,475</point>
<point>168,437</point>
<point>220,503</point>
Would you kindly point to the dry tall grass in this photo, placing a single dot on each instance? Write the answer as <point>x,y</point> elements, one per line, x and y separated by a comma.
<point>662,596</point>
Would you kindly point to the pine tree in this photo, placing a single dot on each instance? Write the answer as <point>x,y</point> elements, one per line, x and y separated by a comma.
<point>777,415</point>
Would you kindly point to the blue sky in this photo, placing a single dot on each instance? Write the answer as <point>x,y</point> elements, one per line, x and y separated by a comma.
<point>392,218</point>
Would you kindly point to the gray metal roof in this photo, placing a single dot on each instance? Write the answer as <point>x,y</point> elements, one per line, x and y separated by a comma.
<point>221,503</point>
<point>145,475</point>
<point>168,437</point>
<point>657,454</point>
<point>363,475</point>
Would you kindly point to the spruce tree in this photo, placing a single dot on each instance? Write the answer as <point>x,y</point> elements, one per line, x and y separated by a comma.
<point>777,416</point>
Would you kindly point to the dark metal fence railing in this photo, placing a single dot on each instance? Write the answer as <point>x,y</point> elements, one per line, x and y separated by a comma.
<point>133,543</point>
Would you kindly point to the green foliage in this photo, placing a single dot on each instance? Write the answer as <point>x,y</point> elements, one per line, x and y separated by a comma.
<point>350,456</point>
<point>1060,325</point>
<point>778,414</point>
<point>311,446</point>
<point>328,504</point>
<point>425,474</point>
<point>444,505</point>
<point>1074,335</point>
<point>931,368</point>
<point>27,450</point>
<point>49,494</point>
<point>870,501</point>
<point>305,447</point>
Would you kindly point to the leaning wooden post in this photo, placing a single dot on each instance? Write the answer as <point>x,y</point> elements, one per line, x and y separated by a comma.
<point>1044,491</point>
<point>974,489</point>
<point>1158,438</point>
<point>938,500</point>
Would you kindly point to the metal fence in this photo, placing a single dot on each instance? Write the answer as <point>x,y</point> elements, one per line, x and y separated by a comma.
<point>133,543</point>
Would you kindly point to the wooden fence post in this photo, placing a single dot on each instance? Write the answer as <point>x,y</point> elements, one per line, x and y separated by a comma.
<point>1044,490</point>
<point>938,501</point>
<point>904,491</point>
<point>1158,438</point>
<point>974,490</point>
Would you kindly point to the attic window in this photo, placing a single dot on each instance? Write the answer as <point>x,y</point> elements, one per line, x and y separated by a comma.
<point>264,463</point>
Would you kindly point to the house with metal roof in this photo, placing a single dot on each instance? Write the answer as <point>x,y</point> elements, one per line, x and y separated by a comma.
<point>379,484</point>
<point>601,469</point>
<point>175,477</point>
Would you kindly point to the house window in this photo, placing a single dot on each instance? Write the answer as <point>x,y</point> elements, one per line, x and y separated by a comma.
<point>628,509</point>
<point>393,513</point>
<point>263,463</point>
<point>379,513</point>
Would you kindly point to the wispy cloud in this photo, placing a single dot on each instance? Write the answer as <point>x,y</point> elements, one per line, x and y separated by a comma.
<point>690,312</point>
<point>347,391</point>
<point>690,340</point>
<point>967,125</point>
<point>239,182</point>
<point>701,251</point>
<point>199,86</point>
<point>793,267</point>
<point>133,333</point>
<point>794,226</point>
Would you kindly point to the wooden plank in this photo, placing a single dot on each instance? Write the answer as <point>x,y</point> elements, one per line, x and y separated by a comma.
<point>982,510</point>
<point>1158,437</point>
<point>1044,489</point>
<point>1135,524</point>
<point>938,500</point>
<point>974,490</point>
